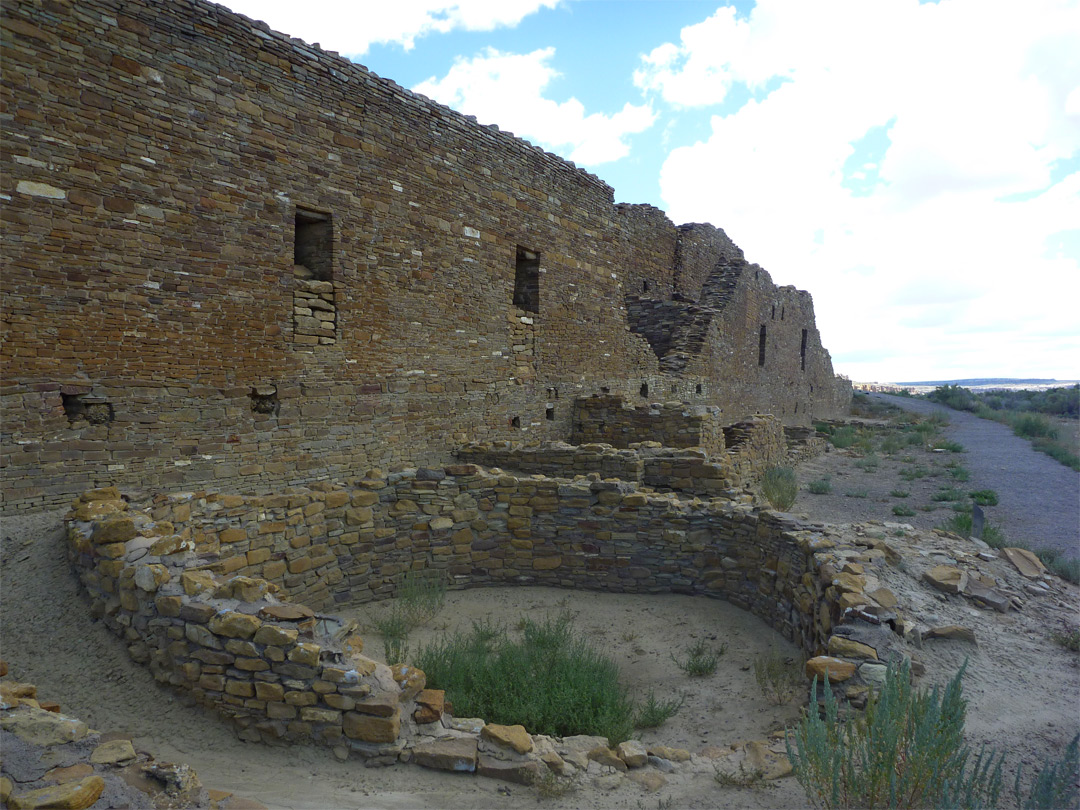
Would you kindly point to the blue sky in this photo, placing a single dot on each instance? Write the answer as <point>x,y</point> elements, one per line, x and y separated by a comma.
<point>916,166</point>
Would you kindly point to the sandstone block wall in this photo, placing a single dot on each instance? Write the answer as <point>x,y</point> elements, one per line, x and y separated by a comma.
<point>230,257</point>
<point>608,419</point>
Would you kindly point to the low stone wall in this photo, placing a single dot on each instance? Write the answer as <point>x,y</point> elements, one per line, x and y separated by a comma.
<point>198,583</point>
<point>754,446</point>
<point>607,419</point>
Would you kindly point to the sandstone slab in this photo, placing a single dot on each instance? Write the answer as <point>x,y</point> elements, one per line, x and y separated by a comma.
<point>458,754</point>
<point>39,727</point>
<point>513,737</point>
<point>837,669</point>
<point>66,796</point>
<point>946,578</point>
<point>522,772</point>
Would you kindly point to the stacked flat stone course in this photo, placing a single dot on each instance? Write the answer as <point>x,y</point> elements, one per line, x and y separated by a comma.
<point>158,162</point>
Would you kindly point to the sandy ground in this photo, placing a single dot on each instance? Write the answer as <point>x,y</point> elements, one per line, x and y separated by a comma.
<point>1024,689</point>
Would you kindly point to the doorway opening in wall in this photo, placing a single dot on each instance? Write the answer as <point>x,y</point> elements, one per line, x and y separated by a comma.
<point>549,413</point>
<point>697,388</point>
<point>527,280</point>
<point>802,351</point>
<point>644,390</point>
<point>313,243</point>
<point>761,346</point>
<point>644,286</point>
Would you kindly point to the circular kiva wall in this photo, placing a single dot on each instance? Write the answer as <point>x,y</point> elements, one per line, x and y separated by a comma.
<point>222,595</point>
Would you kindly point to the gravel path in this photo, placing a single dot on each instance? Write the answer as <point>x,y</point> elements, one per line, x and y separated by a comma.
<point>1039,497</point>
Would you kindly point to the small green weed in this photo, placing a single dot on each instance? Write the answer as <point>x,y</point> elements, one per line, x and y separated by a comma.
<point>742,779</point>
<point>869,463</point>
<point>856,493</point>
<point>822,486</point>
<point>891,445</point>
<point>960,473</point>
<point>899,493</point>
<point>653,713</point>
<point>1067,638</point>
<point>701,659</point>
<point>913,473</point>
<point>903,511</point>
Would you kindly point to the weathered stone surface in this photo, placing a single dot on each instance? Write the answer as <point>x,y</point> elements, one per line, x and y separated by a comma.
<point>66,796</point>
<point>650,781</point>
<point>234,625</point>
<point>954,632</point>
<point>457,754</point>
<point>633,753</point>
<point>837,669</point>
<point>522,772</point>
<point>513,737</point>
<point>411,680</point>
<point>848,648</point>
<point>39,727</point>
<point>947,578</point>
<point>379,704</point>
<point>673,754</point>
<point>884,597</point>
<point>429,705</point>
<point>605,756</point>
<point>1026,562</point>
<point>370,728</point>
<point>990,597</point>
<point>274,635</point>
<point>112,752</point>
<point>287,613</point>
<point>114,530</point>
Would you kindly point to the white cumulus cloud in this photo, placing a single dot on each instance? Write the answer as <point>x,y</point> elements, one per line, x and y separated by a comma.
<point>954,217</point>
<point>508,89</point>
<point>352,26</point>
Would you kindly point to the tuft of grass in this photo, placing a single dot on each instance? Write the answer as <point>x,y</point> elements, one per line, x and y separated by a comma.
<point>1033,426</point>
<point>394,628</point>
<point>550,680</point>
<point>1066,568</point>
<point>899,493</point>
<point>856,493</point>
<point>780,487</point>
<point>1067,637</point>
<point>905,750</point>
<point>984,497</point>
<point>960,523</point>
<point>653,713</point>
<point>422,594</point>
<point>960,473</point>
<point>913,473</point>
<point>947,495</point>
<point>742,779</point>
<point>550,786</point>
<point>950,446</point>
<point>891,445</point>
<point>779,677</point>
<point>822,486</point>
<point>903,511</point>
<point>701,659</point>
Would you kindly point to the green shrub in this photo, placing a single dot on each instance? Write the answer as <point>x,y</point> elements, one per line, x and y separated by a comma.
<point>913,473</point>
<point>856,493</point>
<point>891,445</point>
<point>394,628</point>
<point>961,524</point>
<point>550,680</point>
<point>1056,785</point>
<point>899,493</point>
<point>961,474</point>
<point>653,713</point>
<point>1067,638</point>
<point>1065,567</point>
<point>905,750</point>
<point>780,487</point>
<point>903,511</point>
<point>822,486</point>
<point>844,437</point>
<point>1033,426</point>
<point>701,659</point>
<point>984,497</point>
<point>421,594</point>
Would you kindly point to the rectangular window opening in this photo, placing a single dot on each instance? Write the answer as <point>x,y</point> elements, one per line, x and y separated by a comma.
<point>761,346</point>
<point>527,280</point>
<point>314,307</point>
<point>802,351</point>
<point>313,244</point>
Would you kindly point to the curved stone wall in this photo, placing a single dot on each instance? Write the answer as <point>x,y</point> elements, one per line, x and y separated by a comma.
<point>199,583</point>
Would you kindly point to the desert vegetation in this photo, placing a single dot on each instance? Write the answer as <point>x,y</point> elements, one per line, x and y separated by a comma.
<point>1029,413</point>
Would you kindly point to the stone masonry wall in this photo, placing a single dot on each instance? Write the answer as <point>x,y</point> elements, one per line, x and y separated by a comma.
<point>193,583</point>
<point>166,169</point>
<point>607,419</point>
